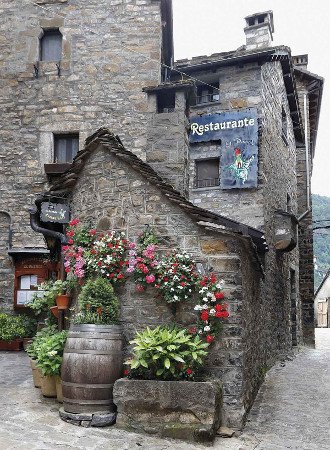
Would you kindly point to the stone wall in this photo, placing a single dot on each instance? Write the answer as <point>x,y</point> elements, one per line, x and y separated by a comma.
<point>109,188</point>
<point>111,49</point>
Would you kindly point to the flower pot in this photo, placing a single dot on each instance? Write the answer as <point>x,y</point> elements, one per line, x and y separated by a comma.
<point>92,362</point>
<point>12,346</point>
<point>54,310</point>
<point>63,301</point>
<point>48,386</point>
<point>36,373</point>
<point>59,391</point>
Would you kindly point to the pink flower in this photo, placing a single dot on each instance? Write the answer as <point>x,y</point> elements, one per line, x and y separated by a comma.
<point>132,246</point>
<point>150,278</point>
<point>130,269</point>
<point>139,288</point>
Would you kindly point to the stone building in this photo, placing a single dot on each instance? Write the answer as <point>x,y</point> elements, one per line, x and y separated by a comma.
<point>67,68</point>
<point>214,152</point>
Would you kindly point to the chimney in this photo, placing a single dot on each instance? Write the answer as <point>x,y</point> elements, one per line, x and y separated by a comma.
<point>259,30</point>
<point>300,61</point>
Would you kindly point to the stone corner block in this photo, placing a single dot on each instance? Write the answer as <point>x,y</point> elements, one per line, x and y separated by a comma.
<point>176,409</point>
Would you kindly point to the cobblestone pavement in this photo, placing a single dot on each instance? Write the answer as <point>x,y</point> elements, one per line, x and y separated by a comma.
<point>291,412</point>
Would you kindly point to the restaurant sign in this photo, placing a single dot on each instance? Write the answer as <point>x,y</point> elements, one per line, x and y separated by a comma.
<point>55,212</point>
<point>237,135</point>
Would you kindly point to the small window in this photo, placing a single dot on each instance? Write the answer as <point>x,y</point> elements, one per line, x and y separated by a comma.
<point>166,101</point>
<point>207,93</point>
<point>207,173</point>
<point>66,147</point>
<point>284,126</point>
<point>51,46</point>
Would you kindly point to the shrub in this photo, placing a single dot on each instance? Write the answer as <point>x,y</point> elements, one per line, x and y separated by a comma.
<point>42,301</point>
<point>50,353</point>
<point>11,327</point>
<point>32,349</point>
<point>97,303</point>
<point>166,353</point>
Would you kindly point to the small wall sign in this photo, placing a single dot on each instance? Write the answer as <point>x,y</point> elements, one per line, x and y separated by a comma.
<point>237,133</point>
<point>55,212</point>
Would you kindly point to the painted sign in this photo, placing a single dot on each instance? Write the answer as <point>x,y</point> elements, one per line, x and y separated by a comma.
<point>237,133</point>
<point>55,212</point>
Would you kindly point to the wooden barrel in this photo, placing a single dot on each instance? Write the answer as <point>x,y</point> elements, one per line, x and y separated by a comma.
<point>92,362</point>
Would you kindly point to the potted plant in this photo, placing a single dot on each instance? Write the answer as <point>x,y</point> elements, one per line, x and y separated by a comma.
<point>12,331</point>
<point>30,326</point>
<point>94,340</point>
<point>156,395</point>
<point>32,351</point>
<point>49,359</point>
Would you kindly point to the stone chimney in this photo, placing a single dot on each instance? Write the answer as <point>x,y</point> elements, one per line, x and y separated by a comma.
<point>300,61</point>
<point>259,30</point>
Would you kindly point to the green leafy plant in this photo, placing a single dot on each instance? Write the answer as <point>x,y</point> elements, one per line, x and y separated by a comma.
<point>11,327</point>
<point>42,301</point>
<point>98,303</point>
<point>50,353</point>
<point>166,353</point>
<point>32,349</point>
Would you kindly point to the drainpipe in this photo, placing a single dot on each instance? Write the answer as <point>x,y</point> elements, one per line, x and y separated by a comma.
<point>10,231</point>
<point>35,225</point>
<point>308,189</point>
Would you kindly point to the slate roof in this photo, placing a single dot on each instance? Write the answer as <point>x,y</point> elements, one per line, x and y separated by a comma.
<point>108,140</point>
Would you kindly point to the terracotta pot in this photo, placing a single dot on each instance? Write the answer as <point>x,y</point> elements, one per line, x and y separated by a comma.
<point>36,373</point>
<point>54,310</point>
<point>59,392</point>
<point>63,301</point>
<point>14,345</point>
<point>48,386</point>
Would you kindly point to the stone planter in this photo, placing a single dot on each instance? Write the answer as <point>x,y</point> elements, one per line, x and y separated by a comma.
<point>36,373</point>
<point>48,386</point>
<point>173,409</point>
<point>13,346</point>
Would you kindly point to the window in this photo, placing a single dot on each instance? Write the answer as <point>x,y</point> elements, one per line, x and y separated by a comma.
<point>51,46</point>
<point>284,126</point>
<point>207,93</point>
<point>166,101</point>
<point>207,173</point>
<point>66,147</point>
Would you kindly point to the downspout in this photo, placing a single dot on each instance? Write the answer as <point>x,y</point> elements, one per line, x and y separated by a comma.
<point>308,189</point>
<point>10,231</point>
<point>35,225</point>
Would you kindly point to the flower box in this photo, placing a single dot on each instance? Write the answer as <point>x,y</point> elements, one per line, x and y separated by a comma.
<point>172,409</point>
<point>14,345</point>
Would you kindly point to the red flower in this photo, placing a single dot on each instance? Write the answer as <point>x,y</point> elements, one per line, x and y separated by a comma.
<point>165,278</point>
<point>145,269</point>
<point>213,278</point>
<point>99,264</point>
<point>70,233</point>
<point>70,241</point>
<point>202,283</point>
<point>219,295</point>
<point>92,232</point>
<point>189,371</point>
<point>150,278</point>
<point>182,283</point>
<point>192,330</point>
<point>120,276</point>
<point>204,315</point>
<point>209,338</point>
<point>126,372</point>
<point>73,222</point>
<point>67,269</point>
<point>222,314</point>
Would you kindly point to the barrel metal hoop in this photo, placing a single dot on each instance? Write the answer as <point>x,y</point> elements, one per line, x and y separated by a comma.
<point>87,402</point>
<point>91,352</point>
<point>86,385</point>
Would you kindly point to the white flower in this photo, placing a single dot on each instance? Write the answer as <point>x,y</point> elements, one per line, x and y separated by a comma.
<point>198,308</point>
<point>207,328</point>
<point>189,290</point>
<point>172,289</point>
<point>52,353</point>
<point>180,287</point>
<point>209,294</point>
<point>205,299</point>
<point>175,297</point>
<point>205,307</point>
<point>213,299</point>
<point>212,312</point>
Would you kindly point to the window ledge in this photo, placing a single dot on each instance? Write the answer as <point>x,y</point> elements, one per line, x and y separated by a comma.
<point>56,168</point>
<point>201,105</point>
<point>212,188</point>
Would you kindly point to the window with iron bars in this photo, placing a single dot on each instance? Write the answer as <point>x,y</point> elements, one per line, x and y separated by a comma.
<point>207,173</point>
<point>207,93</point>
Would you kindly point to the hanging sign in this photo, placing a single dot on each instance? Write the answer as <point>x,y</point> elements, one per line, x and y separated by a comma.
<point>237,134</point>
<point>55,212</point>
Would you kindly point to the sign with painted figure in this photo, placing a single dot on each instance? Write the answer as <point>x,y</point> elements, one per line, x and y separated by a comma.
<point>55,212</point>
<point>237,133</point>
